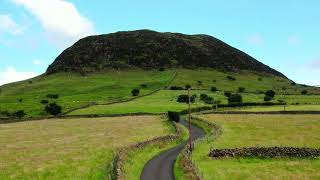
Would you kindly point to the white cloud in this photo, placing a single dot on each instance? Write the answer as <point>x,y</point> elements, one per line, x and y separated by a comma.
<point>256,39</point>
<point>61,20</point>
<point>293,40</point>
<point>37,62</point>
<point>11,75</point>
<point>8,25</point>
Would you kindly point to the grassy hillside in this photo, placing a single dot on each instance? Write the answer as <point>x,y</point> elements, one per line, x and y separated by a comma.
<point>71,148</point>
<point>75,90</point>
<point>261,130</point>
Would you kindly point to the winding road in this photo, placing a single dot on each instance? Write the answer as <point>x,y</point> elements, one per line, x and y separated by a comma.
<point>161,166</point>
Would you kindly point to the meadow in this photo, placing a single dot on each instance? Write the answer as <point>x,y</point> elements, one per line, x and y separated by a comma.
<point>260,130</point>
<point>71,148</point>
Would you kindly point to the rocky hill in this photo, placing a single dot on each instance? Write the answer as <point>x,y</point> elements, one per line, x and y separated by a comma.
<point>148,49</point>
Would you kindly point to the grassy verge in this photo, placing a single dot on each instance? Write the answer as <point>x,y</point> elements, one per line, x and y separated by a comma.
<point>260,130</point>
<point>71,148</point>
<point>137,159</point>
<point>280,108</point>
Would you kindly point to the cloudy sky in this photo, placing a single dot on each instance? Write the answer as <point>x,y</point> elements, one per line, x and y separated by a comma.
<point>282,34</point>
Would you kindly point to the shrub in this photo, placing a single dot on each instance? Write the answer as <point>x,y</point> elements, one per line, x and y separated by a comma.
<point>259,79</point>
<point>241,89</point>
<point>185,98</point>
<point>19,114</point>
<point>30,82</point>
<point>20,100</point>
<point>174,116</point>
<point>144,85</point>
<point>270,93</point>
<point>227,93</point>
<point>53,96</point>
<point>53,109</point>
<point>209,100</point>
<point>44,101</point>
<point>235,98</point>
<point>214,89</point>
<point>304,92</point>
<point>5,113</point>
<point>231,78</point>
<point>188,86</point>
<point>135,92</point>
<point>176,88</point>
<point>162,69</point>
<point>267,98</point>
<point>203,96</point>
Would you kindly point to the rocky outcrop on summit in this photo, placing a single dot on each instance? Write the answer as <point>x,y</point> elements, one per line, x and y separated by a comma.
<point>152,50</point>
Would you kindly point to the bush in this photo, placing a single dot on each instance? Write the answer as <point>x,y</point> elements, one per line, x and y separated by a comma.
<point>235,98</point>
<point>214,89</point>
<point>162,69</point>
<point>209,100</point>
<point>19,114</point>
<point>304,92</point>
<point>259,79</point>
<point>176,88</point>
<point>203,96</point>
<point>44,101</point>
<point>231,78</point>
<point>188,86</point>
<point>20,100</point>
<point>227,93</point>
<point>241,89</point>
<point>30,82</point>
<point>5,113</point>
<point>267,98</point>
<point>185,98</point>
<point>53,96</point>
<point>53,109</point>
<point>270,93</point>
<point>144,85</point>
<point>135,92</point>
<point>174,116</point>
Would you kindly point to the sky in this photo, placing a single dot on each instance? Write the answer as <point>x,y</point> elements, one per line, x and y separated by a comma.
<point>281,34</point>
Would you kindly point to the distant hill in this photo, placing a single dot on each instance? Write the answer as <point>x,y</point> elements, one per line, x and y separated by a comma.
<point>148,49</point>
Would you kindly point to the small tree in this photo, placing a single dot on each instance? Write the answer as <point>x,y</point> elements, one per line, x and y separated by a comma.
<point>174,116</point>
<point>214,89</point>
<point>188,86</point>
<point>267,98</point>
<point>270,93</point>
<point>185,98</point>
<point>19,114</point>
<point>209,100</point>
<point>227,93</point>
<point>231,78</point>
<point>44,101</point>
<point>304,92</point>
<point>241,89</point>
<point>235,98</point>
<point>20,100</point>
<point>53,109</point>
<point>216,103</point>
<point>53,96</point>
<point>135,92</point>
<point>203,96</point>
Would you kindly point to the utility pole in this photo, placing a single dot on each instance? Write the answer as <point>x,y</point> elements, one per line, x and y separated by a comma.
<point>189,118</point>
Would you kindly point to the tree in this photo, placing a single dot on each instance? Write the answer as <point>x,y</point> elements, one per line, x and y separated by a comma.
<point>19,114</point>
<point>270,93</point>
<point>241,89</point>
<point>227,93</point>
<point>235,98</point>
<point>185,98</point>
<point>304,92</point>
<point>53,96</point>
<point>188,86</point>
<point>209,100</point>
<point>174,116</point>
<point>214,89</point>
<point>44,101</point>
<point>53,109</point>
<point>135,92</point>
<point>267,98</point>
<point>203,96</point>
<point>216,103</point>
<point>231,78</point>
<point>20,100</point>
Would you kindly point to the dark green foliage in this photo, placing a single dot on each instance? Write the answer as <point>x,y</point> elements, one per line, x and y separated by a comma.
<point>162,69</point>
<point>270,93</point>
<point>185,98</point>
<point>259,79</point>
<point>194,95</point>
<point>176,88</point>
<point>203,96</point>
<point>214,89</point>
<point>231,78</point>
<point>20,100</point>
<point>227,93</point>
<point>5,113</point>
<point>135,92</point>
<point>293,83</point>
<point>241,89</point>
<point>209,100</point>
<point>53,96</point>
<point>144,85</point>
<point>30,82</point>
<point>235,98</point>
<point>267,98</point>
<point>304,92</point>
<point>174,116</point>
<point>44,101</point>
<point>53,109</point>
<point>188,86</point>
<point>19,114</point>
<point>200,83</point>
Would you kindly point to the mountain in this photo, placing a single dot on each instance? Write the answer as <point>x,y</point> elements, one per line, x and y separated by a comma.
<point>148,49</point>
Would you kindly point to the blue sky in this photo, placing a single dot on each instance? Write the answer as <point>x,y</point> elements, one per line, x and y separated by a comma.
<point>282,34</point>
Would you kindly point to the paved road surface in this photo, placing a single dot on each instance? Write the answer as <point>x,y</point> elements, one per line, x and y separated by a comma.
<point>161,166</point>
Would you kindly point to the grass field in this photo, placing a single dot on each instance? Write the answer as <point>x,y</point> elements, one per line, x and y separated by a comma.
<point>280,108</point>
<point>71,148</point>
<point>261,130</point>
<point>75,90</point>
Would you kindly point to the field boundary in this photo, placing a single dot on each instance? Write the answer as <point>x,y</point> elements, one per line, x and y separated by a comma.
<point>123,101</point>
<point>263,112</point>
<point>122,153</point>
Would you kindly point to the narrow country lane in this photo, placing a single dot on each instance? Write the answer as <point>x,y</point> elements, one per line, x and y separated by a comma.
<point>161,166</point>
